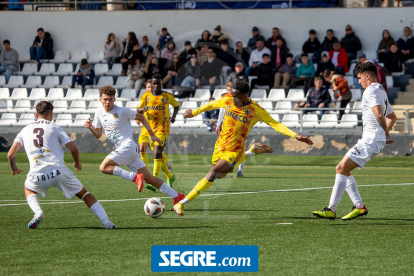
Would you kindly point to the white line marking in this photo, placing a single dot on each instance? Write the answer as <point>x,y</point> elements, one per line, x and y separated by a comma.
<point>205,195</point>
<point>285,223</point>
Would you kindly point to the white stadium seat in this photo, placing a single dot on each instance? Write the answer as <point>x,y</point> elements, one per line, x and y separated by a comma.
<point>310,120</point>
<point>390,81</point>
<point>64,120</point>
<point>55,94</point>
<point>60,57</point>
<point>67,80</point>
<point>60,106</point>
<point>290,120</point>
<point>350,81</point>
<point>46,69</point>
<point>357,108</point>
<point>32,82</point>
<point>132,104</point>
<point>14,81</point>
<point>266,105</point>
<point>22,106</point>
<point>276,95</point>
<point>370,54</point>
<point>263,125</point>
<point>283,107</point>
<point>5,105</point>
<point>77,56</point>
<point>24,56</point>
<point>258,94</point>
<point>187,105</point>
<point>101,69</point>
<point>50,82</point>
<point>80,120</point>
<point>348,121</point>
<point>91,94</point>
<point>179,121</point>
<point>328,121</point>
<point>2,80</point>
<point>116,70</point>
<point>121,83</point>
<point>19,94</point>
<point>26,119</point>
<point>295,95</point>
<point>218,92</point>
<point>96,57</point>
<point>4,93</point>
<point>356,94</point>
<point>37,94</point>
<point>28,69</point>
<point>127,95</point>
<point>141,92</point>
<point>8,119</point>
<point>73,94</point>
<point>77,107</point>
<point>64,69</point>
<point>93,106</point>
<point>351,70</point>
<point>201,95</point>
<point>119,103</point>
<point>104,80</point>
<point>193,122</point>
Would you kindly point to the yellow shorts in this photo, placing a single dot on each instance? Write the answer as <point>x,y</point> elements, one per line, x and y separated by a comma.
<point>147,139</point>
<point>234,158</point>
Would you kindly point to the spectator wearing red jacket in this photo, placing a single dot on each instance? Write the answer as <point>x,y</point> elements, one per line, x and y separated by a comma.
<point>339,58</point>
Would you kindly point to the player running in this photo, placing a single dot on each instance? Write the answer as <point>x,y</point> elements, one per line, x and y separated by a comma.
<point>115,121</point>
<point>43,141</point>
<point>378,118</point>
<point>155,104</point>
<point>241,115</point>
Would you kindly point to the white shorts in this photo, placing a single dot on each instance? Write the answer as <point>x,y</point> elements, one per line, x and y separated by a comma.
<point>59,177</point>
<point>128,156</point>
<point>364,150</point>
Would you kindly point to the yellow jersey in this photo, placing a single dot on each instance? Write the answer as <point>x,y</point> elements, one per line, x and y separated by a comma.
<point>158,111</point>
<point>238,121</point>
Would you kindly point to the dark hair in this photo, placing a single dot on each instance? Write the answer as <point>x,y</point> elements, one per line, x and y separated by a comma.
<point>187,43</point>
<point>329,30</point>
<point>337,42</point>
<point>275,28</point>
<point>289,55</point>
<point>265,55</point>
<point>40,30</point>
<point>84,61</point>
<point>241,86</point>
<point>260,39</point>
<point>108,40</point>
<point>44,108</point>
<point>164,29</point>
<point>386,43</point>
<point>157,77</point>
<point>279,38</point>
<point>107,90</point>
<point>366,67</point>
<point>394,44</point>
<point>312,31</point>
<point>304,55</point>
<point>148,81</point>
<point>326,73</point>
<point>218,28</point>
<point>239,42</point>
<point>318,78</point>
<point>6,41</point>
<point>224,42</point>
<point>145,37</point>
<point>132,37</point>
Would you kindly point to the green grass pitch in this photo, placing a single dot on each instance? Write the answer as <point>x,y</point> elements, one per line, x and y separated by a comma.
<point>70,240</point>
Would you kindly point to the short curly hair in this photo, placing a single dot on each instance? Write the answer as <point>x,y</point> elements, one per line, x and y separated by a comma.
<point>157,77</point>
<point>241,86</point>
<point>366,67</point>
<point>107,90</point>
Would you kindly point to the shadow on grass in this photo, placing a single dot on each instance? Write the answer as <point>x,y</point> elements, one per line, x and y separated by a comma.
<point>130,228</point>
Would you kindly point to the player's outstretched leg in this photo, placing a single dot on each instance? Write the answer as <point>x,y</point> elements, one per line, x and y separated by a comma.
<point>109,166</point>
<point>358,208</point>
<point>143,149</point>
<point>33,201</point>
<point>96,208</point>
<point>166,168</point>
<point>218,171</point>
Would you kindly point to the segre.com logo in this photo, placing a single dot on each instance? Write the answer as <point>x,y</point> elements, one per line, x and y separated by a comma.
<point>205,258</point>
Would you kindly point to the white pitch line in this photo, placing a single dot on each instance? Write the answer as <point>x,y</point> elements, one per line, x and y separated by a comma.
<point>206,195</point>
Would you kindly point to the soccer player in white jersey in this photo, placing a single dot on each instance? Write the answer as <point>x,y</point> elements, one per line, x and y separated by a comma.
<point>378,118</point>
<point>43,141</point>
<point>116,122</point>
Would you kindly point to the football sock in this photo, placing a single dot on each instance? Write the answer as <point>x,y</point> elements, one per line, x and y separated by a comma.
<point>33,201</point>
<point>164,166</point>
<point>249,154</point>
<point>200,188</point>
<point>241,167</point>
<point>167,190</point>
<point>99,212</point>
<point>144,158</point>
<point>352,190</point>
<point>337,191</point>
<point>157,167</point>
<point>124,174</point>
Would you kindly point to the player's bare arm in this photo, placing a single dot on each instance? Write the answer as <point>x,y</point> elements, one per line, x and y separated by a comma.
<point>172,118</point>
<point>142,109</point>
<point>188,114</point>
<point>391,119</point>
<point>97,132</point>
<point>11,155</point>
<point>75,154</point>
<point>144,121</point>
<point>377,110</point>
<point>304,139</point>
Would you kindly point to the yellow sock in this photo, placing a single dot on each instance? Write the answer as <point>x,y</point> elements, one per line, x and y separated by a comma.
<point>144,158</point>
<point>164,166</point>
<point>200,188</point>
<point>157,167</point>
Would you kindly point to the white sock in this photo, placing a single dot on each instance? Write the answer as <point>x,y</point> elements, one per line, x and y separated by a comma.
<point>100,212</point>
<point>33,201</point>
<point>249,154</point>
<point>124,174</point>
<point>185,201</point>
<point>241,167</point>
<point>337,191</point>
<point>352,190</point>
<point>167,190</point>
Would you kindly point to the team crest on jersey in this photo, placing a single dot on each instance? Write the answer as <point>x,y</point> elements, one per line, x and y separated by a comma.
<point>228,106</point>
<point>115,115</point>
<point>247,111</point>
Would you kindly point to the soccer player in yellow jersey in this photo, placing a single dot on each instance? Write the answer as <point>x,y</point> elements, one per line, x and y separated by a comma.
<point>241,115</point>
<point>155,104</point>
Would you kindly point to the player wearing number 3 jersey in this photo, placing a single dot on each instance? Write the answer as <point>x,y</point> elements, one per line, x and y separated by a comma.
<point>43,141</point>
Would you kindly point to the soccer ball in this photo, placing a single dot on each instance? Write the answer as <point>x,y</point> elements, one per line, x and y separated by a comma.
<point>154,207</point>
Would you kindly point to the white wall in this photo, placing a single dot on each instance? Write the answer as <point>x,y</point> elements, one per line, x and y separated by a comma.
<point>87,30</point>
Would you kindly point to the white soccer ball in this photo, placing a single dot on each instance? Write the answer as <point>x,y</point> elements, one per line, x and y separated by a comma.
<point>154,207</point>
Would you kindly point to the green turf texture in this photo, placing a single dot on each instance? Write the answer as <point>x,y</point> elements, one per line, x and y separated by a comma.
<point>70,240</point>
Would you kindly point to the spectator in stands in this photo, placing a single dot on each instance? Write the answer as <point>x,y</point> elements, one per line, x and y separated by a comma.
<point>42,47</point>
<point>238,74</point>
<point>318,97</point>
<point>112,50</point>
<point>192,72</point>
<point>305,72</point>
<point>340,86</point>
<point>188,51</point>
<point>312,45</point>
<point>172,77</point>
<point>146,49</point>
<point>210,117</point>
<point>384,45</point>
<point>169,51</point>
<point>286,73</point>
<point>85,75</point>
<point>226,54</point>
<point>406,45</point>
<point>163,39</point>
<point>151,67</point>
<point>210,71</point>
<point>324,64</point>
<point>265,72</point>
<point>256,36</point>
<point>204,40</point>
<point>279,53</point>
<point>9,60</point>
<point>136,53</point>
<point>217,37</point>
<point>329,41</point>
<point>271,42</point>
<point>339,58</point>
<point>380,74</point>
<point>361,59</point>
<point>242,55</point>
<point>136,76</point>
<point>127,52</point>
<point>256,57</point>
<point>202,54</point>
<point>393,59</point>
<point>351,43</point>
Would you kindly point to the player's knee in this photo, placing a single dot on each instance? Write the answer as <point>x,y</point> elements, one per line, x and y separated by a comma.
<point>340,168</point>
<point>102,168</point>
